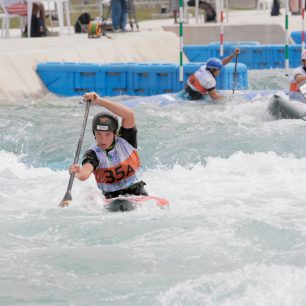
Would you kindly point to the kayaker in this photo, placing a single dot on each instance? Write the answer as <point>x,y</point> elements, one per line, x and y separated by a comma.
<point>203,81</point>
<point>113,158</point>
<point>298,77</point>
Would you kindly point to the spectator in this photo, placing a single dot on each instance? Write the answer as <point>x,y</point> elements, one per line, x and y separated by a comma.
<point>175,9</point>
<point>119,15</point>
<point>38,27</point>
<point>210,13</point>
<point>275,8</point>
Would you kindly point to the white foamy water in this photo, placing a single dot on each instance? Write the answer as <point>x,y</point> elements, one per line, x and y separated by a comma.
<point>234,233</point>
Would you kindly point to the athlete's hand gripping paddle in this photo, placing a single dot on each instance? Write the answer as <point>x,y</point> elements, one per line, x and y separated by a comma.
<point>67,198</point>
<point>235,74</point>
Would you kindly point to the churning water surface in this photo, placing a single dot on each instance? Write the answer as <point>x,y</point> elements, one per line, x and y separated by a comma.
<point>234,233</point>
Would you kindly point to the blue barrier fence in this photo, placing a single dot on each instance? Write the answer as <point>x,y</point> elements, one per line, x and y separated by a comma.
<point>297,36</point>
<point>139,79</point>
<point>254,56</point>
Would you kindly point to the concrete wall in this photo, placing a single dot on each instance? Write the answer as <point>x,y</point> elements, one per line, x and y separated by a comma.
<point>152,3</point>
<point>204,34</point>
<point>241,4</point>
<point>20,56</point>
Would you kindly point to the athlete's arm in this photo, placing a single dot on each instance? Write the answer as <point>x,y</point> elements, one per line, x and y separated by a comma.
<point>89,164</point>
<point>82,173</point>
<point>127,115</point>
<point>215,95</point>
<point>130,135</point>
<point>299,78</point>
<point>227,59</point>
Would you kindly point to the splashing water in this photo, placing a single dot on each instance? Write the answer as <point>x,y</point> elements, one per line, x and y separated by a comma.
<point>234,233</point>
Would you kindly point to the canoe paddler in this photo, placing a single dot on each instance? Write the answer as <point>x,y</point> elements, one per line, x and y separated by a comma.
<point>113,158</point>
<point>298,79</point>
<point>203,81</point>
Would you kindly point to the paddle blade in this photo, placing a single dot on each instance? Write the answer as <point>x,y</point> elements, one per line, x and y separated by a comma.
<point>66,200</point>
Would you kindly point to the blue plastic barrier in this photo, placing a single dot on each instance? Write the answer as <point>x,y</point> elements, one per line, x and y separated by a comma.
<point>295,52</point>
<point>145,79</point>
<point>167,76</point>
<point>227,78</point>
<point>297,36</point>
<point>115,79</point>
<point>153,79</point>
<point>253,56</point>
<point>235,43</point>
<point>69,78</point>
<point>276,55</point>
<point>197,53</point>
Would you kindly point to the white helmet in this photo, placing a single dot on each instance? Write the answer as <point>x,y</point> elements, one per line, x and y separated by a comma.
<point>303,55</point>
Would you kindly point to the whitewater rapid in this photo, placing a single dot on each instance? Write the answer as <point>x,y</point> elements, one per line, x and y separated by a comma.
<point>234,233</point>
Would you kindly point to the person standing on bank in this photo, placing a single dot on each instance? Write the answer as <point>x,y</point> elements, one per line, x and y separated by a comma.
<point>175,6</point>
<point>113,159</point>
<point>203,81</point>
<point>119,15</point>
